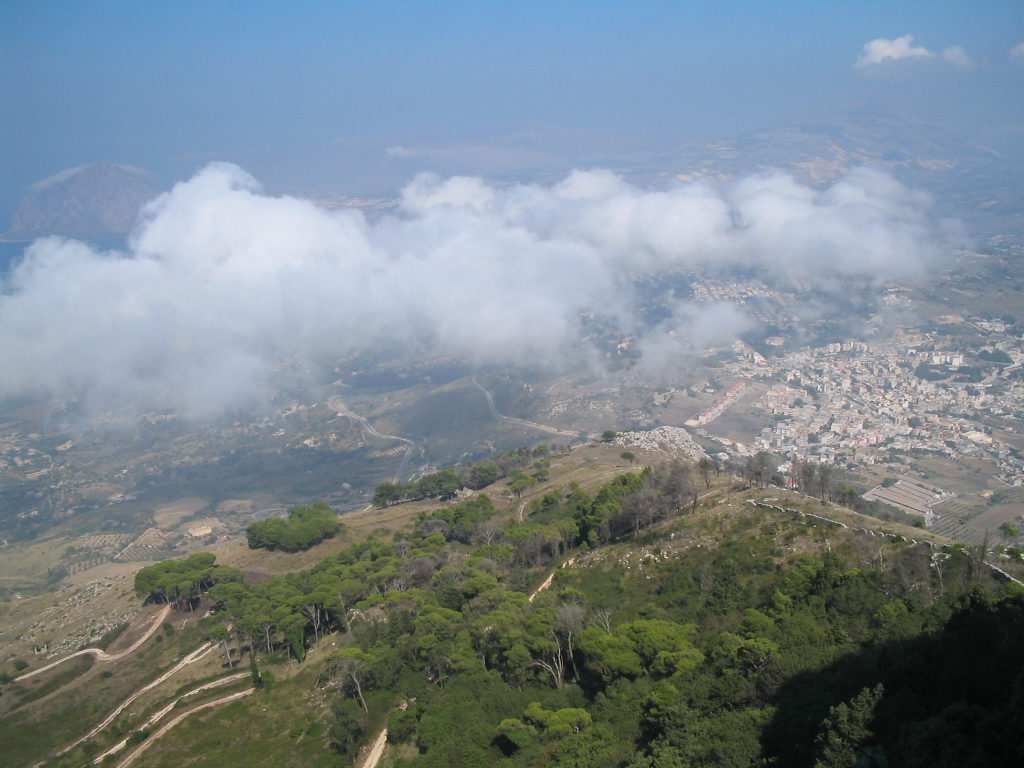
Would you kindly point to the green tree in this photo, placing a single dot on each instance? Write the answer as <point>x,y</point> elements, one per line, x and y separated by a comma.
<point>182,581</point>
<point>705,468</point>
<point>346,727</point>
<point>566,721</point>
<point>520,482</point>
<point>386,494</point>
<point>355,667</point>
<point>515,734</point>
<point>294,627</point>
<point>611,656</point>
<point>483,475</point>
<point>1009,531</point>
<point>845,731</point>
<point>305,527</point>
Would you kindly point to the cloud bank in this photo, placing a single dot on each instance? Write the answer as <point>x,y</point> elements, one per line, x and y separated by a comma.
<point>881,50</point>
<point>222,283</point>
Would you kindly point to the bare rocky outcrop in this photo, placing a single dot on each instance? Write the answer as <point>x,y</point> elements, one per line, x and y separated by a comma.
<point>673,441</point>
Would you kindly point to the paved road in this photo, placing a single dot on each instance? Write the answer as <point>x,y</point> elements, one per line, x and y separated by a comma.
<point>336,404</point>
<point>521,422</point>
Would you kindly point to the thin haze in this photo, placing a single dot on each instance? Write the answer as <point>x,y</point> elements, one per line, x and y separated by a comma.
<point>316,93</point>
<point>223,282</point>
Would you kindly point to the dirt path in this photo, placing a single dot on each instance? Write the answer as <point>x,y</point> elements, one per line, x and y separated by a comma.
<point>377,749</point>
<point>542,587</point>
<point>196,655</point>
<point>157,717</point>
<point>215,703</point>
<point>551,578</point>
<point>520,509</point>
<point>102,655</point>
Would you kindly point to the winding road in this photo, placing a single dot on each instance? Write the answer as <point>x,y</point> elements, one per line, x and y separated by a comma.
<point>102,655</point>
<point>521,422</point>
<point>335,404</point>
<point>156,718</point>
<point>196,655</point>
<point>216,703</point>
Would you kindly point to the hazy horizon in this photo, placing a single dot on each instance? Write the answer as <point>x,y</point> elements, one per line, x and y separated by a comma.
<point>359,98</point>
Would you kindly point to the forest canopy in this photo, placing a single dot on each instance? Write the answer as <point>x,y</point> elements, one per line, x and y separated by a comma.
<point>304,527</point>
<point>735,636</point>
<point>181,582</point>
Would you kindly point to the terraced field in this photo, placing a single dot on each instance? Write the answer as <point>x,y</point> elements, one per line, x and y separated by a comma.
<point>968,518</point>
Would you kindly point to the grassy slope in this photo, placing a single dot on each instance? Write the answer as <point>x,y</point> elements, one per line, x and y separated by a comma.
<point>278,728</point>
<point>82,693</point>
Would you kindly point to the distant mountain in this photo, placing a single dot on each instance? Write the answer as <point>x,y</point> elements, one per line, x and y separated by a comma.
<point>93,201</point>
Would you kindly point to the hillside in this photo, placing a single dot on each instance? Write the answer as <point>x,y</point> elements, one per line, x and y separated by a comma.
<point>604,618</point>
<point>95,201</point>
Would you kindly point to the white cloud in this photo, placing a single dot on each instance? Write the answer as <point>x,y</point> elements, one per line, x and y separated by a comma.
<point>221,282</point>
<point>958,57</point>
<point>881,50</point>
<point>1017,52</point>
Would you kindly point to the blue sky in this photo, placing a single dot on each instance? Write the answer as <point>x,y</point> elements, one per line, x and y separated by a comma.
<point>275,86</point>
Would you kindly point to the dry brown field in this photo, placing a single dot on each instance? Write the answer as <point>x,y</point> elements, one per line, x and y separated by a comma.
<point>169,515</point>
<point>997,515</point>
